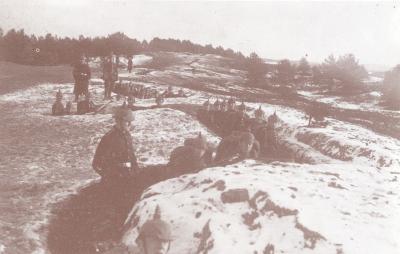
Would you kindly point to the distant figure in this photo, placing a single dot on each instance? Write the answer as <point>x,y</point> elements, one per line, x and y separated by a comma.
<point>110,75</point>
<point>259,114</point>
<point>115,157</point>
<point>86,105</point>
<point>181,93</point>
<point>223,106</point>
<point>107,77</point>
<point>317,112</point>
<point>159,100</point>
<point>217,105</point>
<point>130,64</point>
<point>169,92</point>
<point>58,107</point>
<point>242,107</point>
<point>81,73</point>
<point>231,104</point>
<point>68,108</point>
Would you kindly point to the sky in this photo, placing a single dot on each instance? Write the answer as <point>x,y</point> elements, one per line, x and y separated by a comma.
<point>273,29</point>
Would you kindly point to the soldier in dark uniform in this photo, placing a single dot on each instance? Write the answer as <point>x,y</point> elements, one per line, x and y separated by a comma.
<point>81,73</point>
<point>108,77</point>
<point>115,157</point>
<point>130,64</point>
<point>58,107</point>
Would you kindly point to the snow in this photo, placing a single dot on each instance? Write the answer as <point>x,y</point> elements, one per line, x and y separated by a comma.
<point>345,198</point>
<point>347,205</point>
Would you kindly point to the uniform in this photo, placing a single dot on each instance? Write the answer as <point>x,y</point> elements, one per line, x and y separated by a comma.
<point>110,75</point>
<point>115,155</point>
<point>81,75</point>
<point>58,109</point>
<point>130,64</point>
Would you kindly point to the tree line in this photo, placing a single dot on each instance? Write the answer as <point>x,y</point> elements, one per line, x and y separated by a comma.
<point>18,47</point>
<point>344,73</point>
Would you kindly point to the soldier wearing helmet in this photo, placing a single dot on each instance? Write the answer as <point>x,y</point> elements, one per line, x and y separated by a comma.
<point>58,107</point>
<point>81,74</point>
<point>154,238</point>
<point>155,235</point>
<point>192,156</point>
<point>115,157</point>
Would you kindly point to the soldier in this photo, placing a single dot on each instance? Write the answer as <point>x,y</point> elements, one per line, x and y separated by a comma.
<point>181,93</point>
<point>217,105</point>
<point>231,104</point>
<point>81,73</point>
<point>58,107</point>
<point>86,105</point>
<point>159,100</point>
<point>115,157</point>
<point>169,92</point>
<point>155,237</point>
<point>242,107</point>
<point>68,108</point>
<point>107,77</point>
<point>259,114</point>
<point>238,143</point>
<point>206,105</point>
<point>192,156</point>
<point>130,64</point>
<point>223,106</point>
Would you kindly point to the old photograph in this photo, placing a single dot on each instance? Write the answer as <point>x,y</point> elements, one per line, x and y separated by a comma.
<point>199,127</point>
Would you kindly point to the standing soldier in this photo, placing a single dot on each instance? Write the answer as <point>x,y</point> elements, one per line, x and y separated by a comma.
<point>115,157</point>
<point>107,77</point>
<point>81,73</point>
<point>130,64</point>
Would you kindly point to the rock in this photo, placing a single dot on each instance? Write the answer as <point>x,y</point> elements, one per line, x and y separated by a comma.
<point>235,196</point>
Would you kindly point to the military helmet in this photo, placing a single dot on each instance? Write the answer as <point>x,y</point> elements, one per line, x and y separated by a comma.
<point>123,113</point>
<point>59,95</point>
<point>156,228</point>
<point>259,113</point>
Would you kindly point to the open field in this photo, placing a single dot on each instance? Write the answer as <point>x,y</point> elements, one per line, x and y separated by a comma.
<point>342,196</point>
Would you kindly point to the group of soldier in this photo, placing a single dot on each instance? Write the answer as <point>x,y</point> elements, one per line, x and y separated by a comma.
<point>232,122</point>
<point>116,163</point>
<point>115,159</point>
<point>82,74</point>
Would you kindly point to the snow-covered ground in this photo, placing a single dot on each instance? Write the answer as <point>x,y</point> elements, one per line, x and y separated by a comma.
<point>345,201</point>
<point>47,158</point>
<point>326,208</point>
<point>370,101</point>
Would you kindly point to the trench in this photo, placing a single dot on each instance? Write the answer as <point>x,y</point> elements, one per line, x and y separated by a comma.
<point>96,214</point>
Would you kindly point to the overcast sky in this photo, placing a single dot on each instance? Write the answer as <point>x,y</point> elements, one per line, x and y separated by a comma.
<point>370,30</point>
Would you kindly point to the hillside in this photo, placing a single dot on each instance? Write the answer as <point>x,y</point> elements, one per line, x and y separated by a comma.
<point>334,192</point>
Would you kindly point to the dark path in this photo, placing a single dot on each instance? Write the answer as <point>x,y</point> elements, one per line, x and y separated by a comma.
<point>97,213</point>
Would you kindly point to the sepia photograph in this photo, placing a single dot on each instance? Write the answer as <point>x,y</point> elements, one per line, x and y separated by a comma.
<point>199,127</point>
